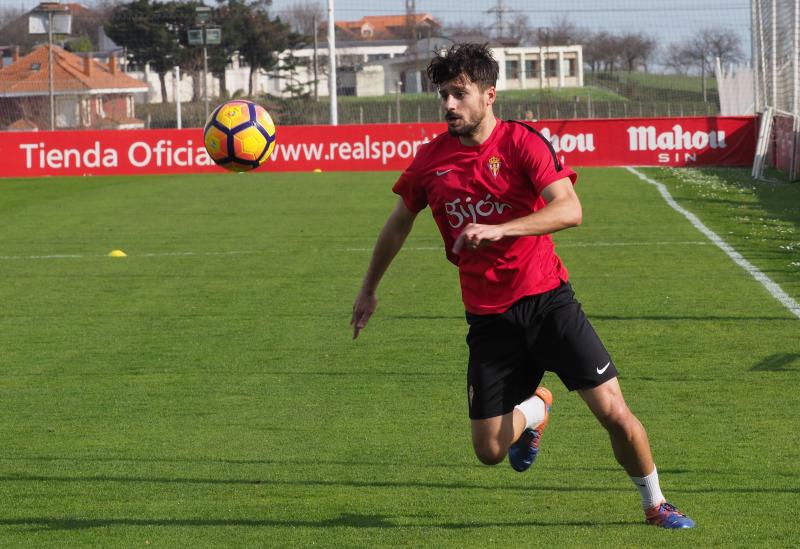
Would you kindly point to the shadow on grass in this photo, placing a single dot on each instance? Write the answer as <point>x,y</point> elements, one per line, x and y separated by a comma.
<point>343,521</point>
<point>578,487</point>
<point>317,483</point>
<point>698,318</point>
<point>777,363</point>
<point>289,461</point>
<point>424,317</point>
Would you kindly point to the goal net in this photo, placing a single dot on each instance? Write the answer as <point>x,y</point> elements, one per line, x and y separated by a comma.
<point>775,38</point>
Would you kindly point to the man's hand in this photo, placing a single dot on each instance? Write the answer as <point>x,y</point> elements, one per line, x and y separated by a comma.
<point>364,306</point>
<point>476,235</point>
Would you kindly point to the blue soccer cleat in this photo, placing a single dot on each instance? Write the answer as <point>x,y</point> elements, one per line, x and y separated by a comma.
<point>667,516</point>
<point>523,452</point>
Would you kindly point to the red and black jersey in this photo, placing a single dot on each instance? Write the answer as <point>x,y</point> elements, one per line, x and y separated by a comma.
<point>494,182</point>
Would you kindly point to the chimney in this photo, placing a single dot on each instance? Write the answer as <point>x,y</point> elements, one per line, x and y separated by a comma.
<point>87,65</point>
<point>112,63</point>
<point>15,54</point>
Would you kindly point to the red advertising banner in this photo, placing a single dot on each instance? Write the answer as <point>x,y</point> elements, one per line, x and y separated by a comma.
<point>693,141</point>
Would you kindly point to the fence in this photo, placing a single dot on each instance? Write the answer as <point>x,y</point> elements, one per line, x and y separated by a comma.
<point>114,66</point>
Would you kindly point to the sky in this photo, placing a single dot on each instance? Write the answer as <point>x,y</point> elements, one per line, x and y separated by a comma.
<point>666,21</point>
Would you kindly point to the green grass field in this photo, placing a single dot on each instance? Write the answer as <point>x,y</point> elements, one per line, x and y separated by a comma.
<point>205,390</point>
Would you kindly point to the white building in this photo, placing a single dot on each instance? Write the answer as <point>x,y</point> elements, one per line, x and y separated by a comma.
<point>374,68</point>
<point>520,67</point>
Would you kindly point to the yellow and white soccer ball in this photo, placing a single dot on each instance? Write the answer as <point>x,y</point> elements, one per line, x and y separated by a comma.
<point>239,135</point>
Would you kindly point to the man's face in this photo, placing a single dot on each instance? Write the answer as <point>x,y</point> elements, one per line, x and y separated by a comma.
<point>465,105</point>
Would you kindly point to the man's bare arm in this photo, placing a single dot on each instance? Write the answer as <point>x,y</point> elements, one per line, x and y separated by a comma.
<point>563,210</point>
<point>390,240</point>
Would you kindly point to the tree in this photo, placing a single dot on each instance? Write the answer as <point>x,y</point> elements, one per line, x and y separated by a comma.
<point>149,34</point>
<point>519,29</point>
<point>702,51</point>
<point>81,43</point>
<point>709,44</point>
<point>233,17</point>
<point>287,68</point>
<point>602,51</point>
<point>635,49</point>
<point>561,32</point>
<point>305,18</point>
<point>9,14</point>
<point>263,39</point>
<point>678,59</point>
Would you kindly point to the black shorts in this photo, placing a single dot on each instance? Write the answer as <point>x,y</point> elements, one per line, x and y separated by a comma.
<point>510,352</point>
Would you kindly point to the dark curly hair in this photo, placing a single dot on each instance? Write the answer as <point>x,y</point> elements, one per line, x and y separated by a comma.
<point>475,61</point>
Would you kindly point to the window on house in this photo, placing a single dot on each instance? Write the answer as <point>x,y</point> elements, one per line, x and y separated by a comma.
<point>512,69</point>
<point>531,68</point>
<point>571,67</point>
<point>551,67</point>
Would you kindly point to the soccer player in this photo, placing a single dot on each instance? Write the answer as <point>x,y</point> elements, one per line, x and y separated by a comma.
<point>497,190</point>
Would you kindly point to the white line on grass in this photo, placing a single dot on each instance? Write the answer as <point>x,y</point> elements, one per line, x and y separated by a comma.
<point>559,245</point>
<point>773,288</point>
<point>81,256</point>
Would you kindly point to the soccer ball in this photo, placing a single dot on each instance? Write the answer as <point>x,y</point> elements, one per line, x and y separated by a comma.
<point>239,135</point>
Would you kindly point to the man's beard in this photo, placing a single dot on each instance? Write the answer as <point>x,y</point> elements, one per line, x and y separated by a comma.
<point>467,130</point>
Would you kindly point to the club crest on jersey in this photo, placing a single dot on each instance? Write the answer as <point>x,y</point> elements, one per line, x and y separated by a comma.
<point>494,165</point>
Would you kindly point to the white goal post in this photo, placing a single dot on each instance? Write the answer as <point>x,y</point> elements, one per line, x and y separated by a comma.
<point>776,66</point>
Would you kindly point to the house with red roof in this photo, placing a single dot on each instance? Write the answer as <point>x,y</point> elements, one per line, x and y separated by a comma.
<point>86,92</point>
<point>389,27</point>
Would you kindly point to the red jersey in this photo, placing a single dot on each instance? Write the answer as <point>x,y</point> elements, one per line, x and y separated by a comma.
<point>494,182</point>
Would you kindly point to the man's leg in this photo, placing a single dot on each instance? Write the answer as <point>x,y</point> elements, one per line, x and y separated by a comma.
<point>516,433</point>
<point>491,437</point>
<point>628,437</point>
<point>632,450</point>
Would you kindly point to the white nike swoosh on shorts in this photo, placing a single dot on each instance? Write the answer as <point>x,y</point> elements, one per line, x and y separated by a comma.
<point>442,172</point>
<point>604,368</point>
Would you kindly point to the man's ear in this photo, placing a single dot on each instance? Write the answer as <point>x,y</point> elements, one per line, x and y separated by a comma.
<point>491,95</point>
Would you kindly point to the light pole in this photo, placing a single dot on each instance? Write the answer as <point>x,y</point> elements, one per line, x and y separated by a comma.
<point>41,21</point>
<point>332,64</point>
<point>203,14</point>
<point>316,66</point>
<point>206,35</point>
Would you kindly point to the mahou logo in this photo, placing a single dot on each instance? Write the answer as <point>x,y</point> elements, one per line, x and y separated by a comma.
<point>569,142</point>
<point>646,138</point>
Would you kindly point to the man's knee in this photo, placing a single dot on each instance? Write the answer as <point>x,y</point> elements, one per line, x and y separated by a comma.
<point>489,453</point>
<point>616,417</point>
<point>491,438</point>
<point>609,407</point>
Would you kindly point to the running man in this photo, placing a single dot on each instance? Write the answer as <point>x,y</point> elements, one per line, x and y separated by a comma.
<point>497,191</point>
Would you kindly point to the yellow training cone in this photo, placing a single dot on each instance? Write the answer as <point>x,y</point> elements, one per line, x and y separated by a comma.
<point>317,170</point>
<point>117,253</point>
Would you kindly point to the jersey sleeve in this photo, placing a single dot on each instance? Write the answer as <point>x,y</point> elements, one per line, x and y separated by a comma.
<point>542,163</point>
<point>410,188</point>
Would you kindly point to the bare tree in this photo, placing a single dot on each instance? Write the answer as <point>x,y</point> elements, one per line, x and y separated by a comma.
<point>303,17</point>
<point>602,51</point>
<point>519,29</point>
<point>561,32</point>
<point>717,42</point>
<point>700,53</point>
<point>9,14</point>
<point>635,49</point>
<point>678,59</point>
